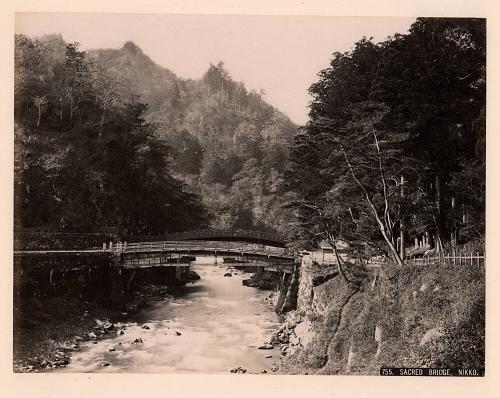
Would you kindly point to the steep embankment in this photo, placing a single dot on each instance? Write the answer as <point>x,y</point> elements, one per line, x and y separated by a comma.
<point>413,317</point>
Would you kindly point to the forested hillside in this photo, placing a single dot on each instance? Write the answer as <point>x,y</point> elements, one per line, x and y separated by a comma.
<point>226,143</point>
<point>395,145</point>
<point>85,156</point>
<point>109,138</point>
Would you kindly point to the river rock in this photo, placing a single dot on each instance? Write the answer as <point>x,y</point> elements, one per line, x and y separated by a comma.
<point>263,371</point>
<point>108,327</point>
<point>268,356</point>
<point>137,341</point>
<point>145,327</point>
<point>228,274</point>
<point>103,364</point>
<point>266,347</point>
<point>121,332</point>
<point>60,362</point>
<point>178,333</point>
<point>239,369</point>
<point>111,349</point>
<point>92,335</point>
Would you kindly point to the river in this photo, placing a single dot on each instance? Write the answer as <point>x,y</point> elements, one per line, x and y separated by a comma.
<point>210,326</point>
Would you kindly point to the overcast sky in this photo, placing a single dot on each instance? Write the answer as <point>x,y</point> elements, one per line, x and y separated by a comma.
<point>281,55</point>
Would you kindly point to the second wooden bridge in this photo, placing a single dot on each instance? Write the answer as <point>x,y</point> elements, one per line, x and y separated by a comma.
<point>175,253</point>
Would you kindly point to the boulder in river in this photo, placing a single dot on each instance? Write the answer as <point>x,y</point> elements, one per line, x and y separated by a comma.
<point>60,362</point>
<point>137,341</point>
<point>108,327</point>
<point>266,347</point>
<point>228,274</point>
<point>178,333</point>
<point>239,369</point>
<point>145,327</point>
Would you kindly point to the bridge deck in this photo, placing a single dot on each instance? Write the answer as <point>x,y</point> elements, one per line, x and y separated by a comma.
<point>205,247</point>
<point>229,235</point>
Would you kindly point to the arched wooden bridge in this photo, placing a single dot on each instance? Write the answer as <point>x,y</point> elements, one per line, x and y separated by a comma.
<point>236,235</point>
<point>174,253</point>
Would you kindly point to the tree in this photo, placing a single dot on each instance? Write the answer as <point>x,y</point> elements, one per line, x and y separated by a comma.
<point>389,131</point>
<point>92,160</point>
<point>40,102</point>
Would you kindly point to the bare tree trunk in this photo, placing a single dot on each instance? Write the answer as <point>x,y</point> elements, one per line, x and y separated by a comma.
<point>381,225</point>
<point>39,115</point>
<point>102,122</point>
<point>333,243</point>
<point>387,216</point>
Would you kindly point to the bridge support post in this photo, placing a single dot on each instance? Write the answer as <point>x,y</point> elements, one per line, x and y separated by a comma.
<point>117,291</point>
<point>287,300</point>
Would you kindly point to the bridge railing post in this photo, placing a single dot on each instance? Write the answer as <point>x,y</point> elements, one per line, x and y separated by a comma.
<point>110,246</point>
<point>104,247</point>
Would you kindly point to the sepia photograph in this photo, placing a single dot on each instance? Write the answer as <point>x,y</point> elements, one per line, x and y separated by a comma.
<point>249,194</point>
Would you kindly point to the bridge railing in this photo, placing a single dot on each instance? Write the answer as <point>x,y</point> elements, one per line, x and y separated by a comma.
<point>196,245</point>
<point>238,233</point>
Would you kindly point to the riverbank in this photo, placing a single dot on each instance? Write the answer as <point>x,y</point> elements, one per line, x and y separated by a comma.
<point>49,329</point>
<point>427,316</point>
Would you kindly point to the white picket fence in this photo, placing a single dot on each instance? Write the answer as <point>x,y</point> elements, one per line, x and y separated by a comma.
<point>462,259</point>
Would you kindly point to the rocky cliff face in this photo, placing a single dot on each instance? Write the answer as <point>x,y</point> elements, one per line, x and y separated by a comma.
<point>411,317</point>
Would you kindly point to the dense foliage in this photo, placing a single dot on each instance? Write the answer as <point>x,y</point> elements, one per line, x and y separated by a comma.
<point>395,144</point>
<point>84,154</point>
<point>227,143</point>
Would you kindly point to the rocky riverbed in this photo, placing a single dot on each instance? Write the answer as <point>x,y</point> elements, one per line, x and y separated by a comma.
<point>48,330</point>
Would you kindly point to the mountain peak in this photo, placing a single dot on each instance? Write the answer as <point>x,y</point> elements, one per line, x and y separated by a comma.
<point>132,48</point>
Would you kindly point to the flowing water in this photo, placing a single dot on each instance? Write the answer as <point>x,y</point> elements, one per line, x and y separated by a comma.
<point>211,326</point>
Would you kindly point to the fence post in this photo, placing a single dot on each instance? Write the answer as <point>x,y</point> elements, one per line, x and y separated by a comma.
<point>110,246</point>
<point>104,247</point>
<point>478,260</point>
<point>471,259</point>
<point>125,245</point>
